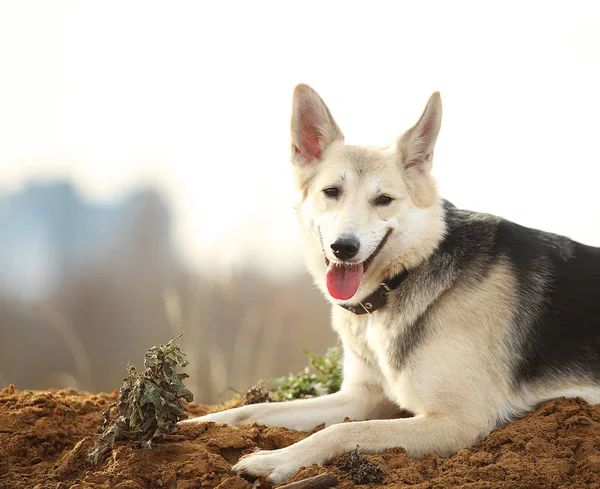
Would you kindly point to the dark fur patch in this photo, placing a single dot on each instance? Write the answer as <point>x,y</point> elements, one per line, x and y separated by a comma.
<point>409,339</point>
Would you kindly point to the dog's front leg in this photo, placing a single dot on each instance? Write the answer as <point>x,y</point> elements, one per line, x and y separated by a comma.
<point>361,397</point>
<point>354,402</point>
<point>420,435</point>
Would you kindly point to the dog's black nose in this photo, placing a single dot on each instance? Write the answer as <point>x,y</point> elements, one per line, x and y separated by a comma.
<point>345,247</point>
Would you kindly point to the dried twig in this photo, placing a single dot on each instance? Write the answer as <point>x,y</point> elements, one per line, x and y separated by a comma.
<point>317,482</point>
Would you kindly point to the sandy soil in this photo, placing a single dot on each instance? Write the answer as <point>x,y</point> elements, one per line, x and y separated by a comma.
<point>45,437</point>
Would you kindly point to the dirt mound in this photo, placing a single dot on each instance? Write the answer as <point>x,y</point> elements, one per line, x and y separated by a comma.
<point>45,437</point>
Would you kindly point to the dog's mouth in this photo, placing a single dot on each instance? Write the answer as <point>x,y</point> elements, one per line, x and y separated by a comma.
<point>343,279</point>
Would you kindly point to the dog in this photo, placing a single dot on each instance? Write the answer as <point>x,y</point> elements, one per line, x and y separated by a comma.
<point>465,319</point>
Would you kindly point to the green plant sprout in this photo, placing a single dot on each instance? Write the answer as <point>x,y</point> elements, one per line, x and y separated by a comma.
<point>322,375</point>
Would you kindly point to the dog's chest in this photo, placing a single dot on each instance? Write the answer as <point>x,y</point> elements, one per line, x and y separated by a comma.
<point>380,340</point>
<point>377,340</point>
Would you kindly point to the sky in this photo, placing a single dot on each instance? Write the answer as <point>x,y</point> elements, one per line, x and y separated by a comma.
<point>195,98</point>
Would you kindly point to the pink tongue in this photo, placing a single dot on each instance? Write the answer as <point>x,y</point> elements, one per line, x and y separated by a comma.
<point>343,282</point>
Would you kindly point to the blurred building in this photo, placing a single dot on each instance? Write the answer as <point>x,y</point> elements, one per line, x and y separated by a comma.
<point>50,232</point>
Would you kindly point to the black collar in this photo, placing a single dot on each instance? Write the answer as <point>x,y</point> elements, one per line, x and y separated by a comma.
<point>377,299</point>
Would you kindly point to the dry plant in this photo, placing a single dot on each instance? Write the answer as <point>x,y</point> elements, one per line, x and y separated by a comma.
<point>149,404</point>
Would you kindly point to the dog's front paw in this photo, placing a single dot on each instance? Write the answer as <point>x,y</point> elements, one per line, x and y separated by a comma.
<point>276,465</point>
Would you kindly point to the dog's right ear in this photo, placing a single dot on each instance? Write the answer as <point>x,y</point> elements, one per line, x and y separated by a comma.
<point>416,145</point>
<point>313,127</point>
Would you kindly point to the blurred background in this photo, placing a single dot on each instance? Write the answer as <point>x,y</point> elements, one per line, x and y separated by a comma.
<point>145,179</point>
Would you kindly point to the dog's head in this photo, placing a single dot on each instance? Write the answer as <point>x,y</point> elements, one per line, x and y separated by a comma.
<point>366,213</point>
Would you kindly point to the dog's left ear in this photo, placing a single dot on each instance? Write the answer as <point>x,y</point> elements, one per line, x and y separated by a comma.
<point>416,145</point>
<point>313,127</point>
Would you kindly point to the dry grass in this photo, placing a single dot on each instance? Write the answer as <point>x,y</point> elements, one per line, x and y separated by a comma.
<point>235,332</point>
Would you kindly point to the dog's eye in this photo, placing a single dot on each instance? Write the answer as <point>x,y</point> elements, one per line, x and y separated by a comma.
<point>331,191</point>
<point>383,200</point>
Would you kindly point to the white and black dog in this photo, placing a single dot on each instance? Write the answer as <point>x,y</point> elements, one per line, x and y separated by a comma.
<point>466,320</point>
